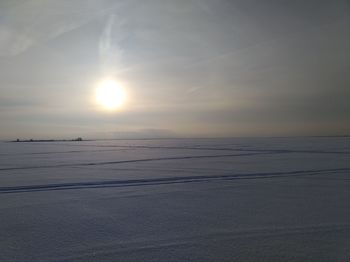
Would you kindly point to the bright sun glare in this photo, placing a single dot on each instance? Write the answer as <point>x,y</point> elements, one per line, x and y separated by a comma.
<point>110,95</point>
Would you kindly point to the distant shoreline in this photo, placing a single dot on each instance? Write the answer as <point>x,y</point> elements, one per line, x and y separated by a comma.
<point>79,139</point>
<point>174,138</point>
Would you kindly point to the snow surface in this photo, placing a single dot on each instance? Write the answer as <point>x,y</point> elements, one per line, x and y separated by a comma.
<point>261,199</point>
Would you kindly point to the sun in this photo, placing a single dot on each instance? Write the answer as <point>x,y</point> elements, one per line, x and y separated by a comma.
<point>110,95</point>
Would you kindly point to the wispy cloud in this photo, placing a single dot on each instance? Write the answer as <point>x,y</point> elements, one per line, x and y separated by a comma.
<point>12,42</point>
<point>110,51</point>
<point>28,23</point>
<point>105,45</point>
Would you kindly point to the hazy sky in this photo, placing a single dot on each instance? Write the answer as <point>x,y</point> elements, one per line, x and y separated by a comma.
<point>189,67</point>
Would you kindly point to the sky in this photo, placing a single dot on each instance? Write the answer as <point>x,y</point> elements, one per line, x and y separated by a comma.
<point>189,68</point>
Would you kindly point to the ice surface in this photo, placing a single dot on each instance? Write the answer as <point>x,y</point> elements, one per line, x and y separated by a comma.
<point>261,199</point>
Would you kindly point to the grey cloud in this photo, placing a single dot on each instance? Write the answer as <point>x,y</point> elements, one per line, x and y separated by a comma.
<point>217,67</point>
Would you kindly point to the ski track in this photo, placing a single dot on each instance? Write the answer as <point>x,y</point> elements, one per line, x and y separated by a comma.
<point>243,152</point>
<point>177,147</point>
<point>165,180</point>
<point>129,161</point>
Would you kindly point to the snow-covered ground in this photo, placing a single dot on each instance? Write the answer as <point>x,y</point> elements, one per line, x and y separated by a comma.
<point>261,199</point>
